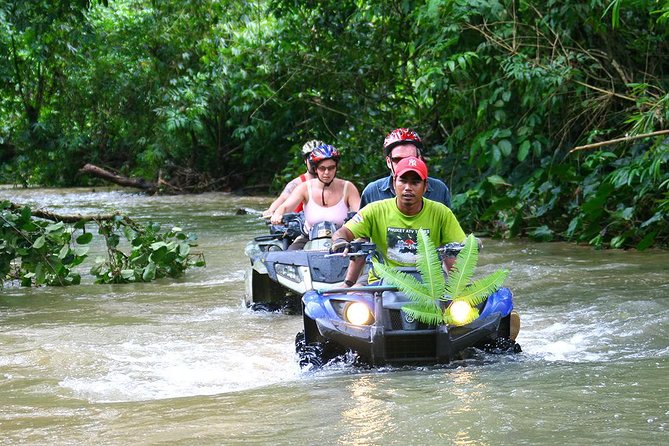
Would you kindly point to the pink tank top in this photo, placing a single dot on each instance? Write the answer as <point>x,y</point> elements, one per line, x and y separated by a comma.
<point>314,213</point>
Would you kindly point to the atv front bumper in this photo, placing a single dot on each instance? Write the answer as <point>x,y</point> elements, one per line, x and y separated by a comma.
<point>379,345</point>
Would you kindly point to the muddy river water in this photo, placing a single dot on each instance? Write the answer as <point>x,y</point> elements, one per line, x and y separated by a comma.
<point>183,362</point>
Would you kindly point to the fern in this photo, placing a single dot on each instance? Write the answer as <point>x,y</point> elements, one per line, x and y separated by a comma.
<point>432,288</point>
<point>478,291</point>
<point>429,266</point>
<point>460,275</point>
<point>428,313</point>
<point>415,290</point>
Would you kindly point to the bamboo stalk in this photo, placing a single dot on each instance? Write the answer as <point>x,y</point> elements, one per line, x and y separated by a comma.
<point>617,140</point>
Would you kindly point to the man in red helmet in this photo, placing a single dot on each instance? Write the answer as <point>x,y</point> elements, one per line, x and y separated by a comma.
<point>392,224</point>
<point>399,144</point>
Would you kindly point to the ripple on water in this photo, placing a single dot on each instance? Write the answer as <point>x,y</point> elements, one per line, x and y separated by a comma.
<point>164,367</point>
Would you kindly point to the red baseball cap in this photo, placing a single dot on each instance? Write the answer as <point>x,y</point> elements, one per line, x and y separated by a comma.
<point>412,164</point>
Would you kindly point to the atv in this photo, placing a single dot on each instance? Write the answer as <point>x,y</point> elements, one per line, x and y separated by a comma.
<point>277,278</point>
<point>370,324</point>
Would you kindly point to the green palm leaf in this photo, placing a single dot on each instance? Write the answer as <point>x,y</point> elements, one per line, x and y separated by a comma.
<point>429,314</point>
<point>478,291</point>
<point>414,289</point>
<point>433,288</point>
<point>460,275</point>
<point>429,266</point>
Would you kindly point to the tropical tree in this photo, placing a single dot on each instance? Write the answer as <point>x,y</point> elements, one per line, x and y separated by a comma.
<point>515,100</point>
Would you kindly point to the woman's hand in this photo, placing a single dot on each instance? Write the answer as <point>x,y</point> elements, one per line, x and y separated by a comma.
<point>277,217</point>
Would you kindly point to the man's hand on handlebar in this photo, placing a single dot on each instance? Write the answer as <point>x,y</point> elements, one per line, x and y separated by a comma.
<point>340,245</point>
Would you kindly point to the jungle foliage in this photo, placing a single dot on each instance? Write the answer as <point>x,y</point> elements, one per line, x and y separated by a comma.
<point>36,251</point>
<point>220,92</point>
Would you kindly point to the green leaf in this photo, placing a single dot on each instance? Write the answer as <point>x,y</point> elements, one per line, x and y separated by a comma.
<point>414,289</point>
<point>647,241</point>
<point>428,313</point>
<point>63,252</point>
<point>478,291</point>
<point>55,227</point>
<point>84,238</point>
<point>524,150</point>
<point>129,233</point>
<point>40,274</point>
<point>429,265</point>
<point>618,241</point>
<point>543,233</point>
<point>505,147</point>
<point>425,295</point>
<point>496,180</point>
<point>113,240</point>
<point>157,245</point>
<point>39,242</point>
<point>149,272</point>
<point>461,273</point>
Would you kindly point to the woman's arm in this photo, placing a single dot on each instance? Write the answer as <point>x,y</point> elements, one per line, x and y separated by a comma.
<point>352,198</point>
<point>297,196</point>
<point>289,189</point>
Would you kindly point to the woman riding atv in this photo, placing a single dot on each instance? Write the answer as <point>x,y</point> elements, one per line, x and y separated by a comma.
<point>325,198</point>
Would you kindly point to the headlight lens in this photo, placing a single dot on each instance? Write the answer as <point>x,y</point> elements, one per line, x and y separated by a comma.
<point>252,250</point>
<point>461,312</point>
<point>290,272</point>
<point>357,313</point>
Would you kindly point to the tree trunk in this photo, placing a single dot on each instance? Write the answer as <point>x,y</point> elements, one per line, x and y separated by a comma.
<point>139,183</point>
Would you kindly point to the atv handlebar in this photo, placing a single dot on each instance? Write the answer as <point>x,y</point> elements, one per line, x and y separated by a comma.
<point>363,248</point>
<point>356,248</point>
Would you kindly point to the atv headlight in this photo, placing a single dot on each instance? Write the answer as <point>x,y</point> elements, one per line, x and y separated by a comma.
<point>460,312</point>
<point>290,272</point>
<point>252,250</point>
<point>357,313</point>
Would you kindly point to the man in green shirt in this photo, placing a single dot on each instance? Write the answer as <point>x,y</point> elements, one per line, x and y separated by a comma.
<point>393,224</point>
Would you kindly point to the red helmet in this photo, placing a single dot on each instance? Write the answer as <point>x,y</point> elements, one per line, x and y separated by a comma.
<point>323,152</point>
<point>401,136</point>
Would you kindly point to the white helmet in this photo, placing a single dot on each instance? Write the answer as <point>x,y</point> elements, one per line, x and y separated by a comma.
<point>309,147</point>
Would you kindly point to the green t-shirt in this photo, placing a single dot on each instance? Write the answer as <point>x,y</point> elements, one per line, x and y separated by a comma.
<point>396,234</point>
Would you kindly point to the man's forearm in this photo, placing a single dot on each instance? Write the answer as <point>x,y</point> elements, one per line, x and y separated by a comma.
<point>355,266</point>
<point>342,233</point>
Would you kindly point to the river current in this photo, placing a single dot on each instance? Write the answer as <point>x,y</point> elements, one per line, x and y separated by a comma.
<point>184,362</point>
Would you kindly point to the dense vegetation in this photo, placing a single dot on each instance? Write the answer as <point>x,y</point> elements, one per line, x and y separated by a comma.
<point>215,94</point>
<point>48,249</point>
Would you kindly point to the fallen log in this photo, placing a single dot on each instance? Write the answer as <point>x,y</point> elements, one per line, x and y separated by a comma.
<point>139,183</point>
<point>70,218</point>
